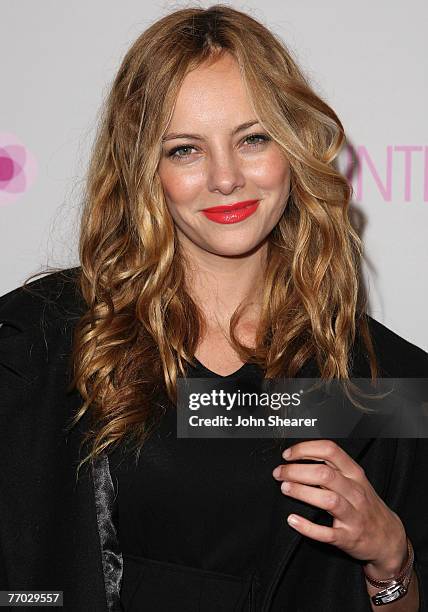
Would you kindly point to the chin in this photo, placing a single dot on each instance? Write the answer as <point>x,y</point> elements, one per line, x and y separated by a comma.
<point>234,250</point>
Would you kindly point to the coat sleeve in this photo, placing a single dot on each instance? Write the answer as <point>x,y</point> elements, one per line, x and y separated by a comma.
<point>407,495</point>
<point>413,511</point>
<point>6,331</point>
<point>407,491</point>
<point>26,316</point>
<point>15,377</point>
<point>3,575</point>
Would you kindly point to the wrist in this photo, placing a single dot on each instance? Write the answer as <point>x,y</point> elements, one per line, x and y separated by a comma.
<point>394,587</point>
<point>391,563</point>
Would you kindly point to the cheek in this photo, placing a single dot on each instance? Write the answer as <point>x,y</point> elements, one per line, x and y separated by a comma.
<point>273,173</point>
<point>180,188</point>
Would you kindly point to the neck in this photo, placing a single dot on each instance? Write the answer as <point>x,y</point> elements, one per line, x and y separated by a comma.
<point>219,283</point>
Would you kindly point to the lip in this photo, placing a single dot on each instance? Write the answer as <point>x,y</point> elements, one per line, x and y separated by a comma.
<point>235,206</point>
<point>231,214</point>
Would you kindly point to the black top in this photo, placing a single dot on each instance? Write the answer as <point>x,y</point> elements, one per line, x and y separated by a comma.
<point>202,504</point>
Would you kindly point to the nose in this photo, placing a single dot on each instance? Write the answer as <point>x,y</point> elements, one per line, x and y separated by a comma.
<point>224,173</point>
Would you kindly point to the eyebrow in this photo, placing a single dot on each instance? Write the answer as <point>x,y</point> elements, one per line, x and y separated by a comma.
<point>239,128</point>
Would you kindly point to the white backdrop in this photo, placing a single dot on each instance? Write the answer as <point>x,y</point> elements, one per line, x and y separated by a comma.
<point>365,59</point>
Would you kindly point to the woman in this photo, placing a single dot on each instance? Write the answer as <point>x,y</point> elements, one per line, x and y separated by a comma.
<point>208,110</point>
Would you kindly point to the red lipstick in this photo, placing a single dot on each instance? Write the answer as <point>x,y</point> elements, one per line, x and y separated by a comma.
<point>232,213</point>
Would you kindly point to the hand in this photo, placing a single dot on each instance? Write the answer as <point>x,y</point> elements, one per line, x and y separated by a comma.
<point>363,525</point>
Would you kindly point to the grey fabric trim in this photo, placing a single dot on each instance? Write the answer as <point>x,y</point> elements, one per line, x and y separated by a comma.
<point>111,554</point>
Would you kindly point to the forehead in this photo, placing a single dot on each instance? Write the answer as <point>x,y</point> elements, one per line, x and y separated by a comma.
<point>212,96</point>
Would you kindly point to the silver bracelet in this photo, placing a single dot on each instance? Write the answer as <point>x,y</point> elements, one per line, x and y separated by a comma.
<point>396,587</point>
<point>392,593</point>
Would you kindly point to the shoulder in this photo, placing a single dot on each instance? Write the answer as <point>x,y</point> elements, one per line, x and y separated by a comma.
<point>397,357</point>
<point>52,299</point>
<point>36,325</point>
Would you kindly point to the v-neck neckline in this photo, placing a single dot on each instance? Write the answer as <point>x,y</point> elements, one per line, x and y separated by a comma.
<point>211,373</point>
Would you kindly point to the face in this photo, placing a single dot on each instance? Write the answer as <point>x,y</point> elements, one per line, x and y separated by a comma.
<point>210,158</point>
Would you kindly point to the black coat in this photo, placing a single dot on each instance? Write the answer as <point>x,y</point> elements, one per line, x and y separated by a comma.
<point>56,534</point>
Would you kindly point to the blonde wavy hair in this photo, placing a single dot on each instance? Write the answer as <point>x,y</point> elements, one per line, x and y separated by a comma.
<point>141,325</point>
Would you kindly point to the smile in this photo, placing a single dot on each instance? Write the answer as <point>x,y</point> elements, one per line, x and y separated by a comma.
<point>232,216</point>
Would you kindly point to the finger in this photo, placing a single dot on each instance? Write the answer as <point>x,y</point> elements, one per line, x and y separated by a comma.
<point>332,502</point>
<point>329,535</point>
<point>320,474</point>
<point>325,450</point>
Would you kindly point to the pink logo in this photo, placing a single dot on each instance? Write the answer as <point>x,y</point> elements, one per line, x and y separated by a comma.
<point>394,173</point>
<point>18,168</point>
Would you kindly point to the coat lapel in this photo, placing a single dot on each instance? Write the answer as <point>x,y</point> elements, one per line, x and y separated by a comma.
<point>90,563</point>
<point>284,539</point>
<point>112,559</point>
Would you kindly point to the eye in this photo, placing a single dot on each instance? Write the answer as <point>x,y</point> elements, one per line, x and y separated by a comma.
<point>176,151</point>
<point>263,137</point>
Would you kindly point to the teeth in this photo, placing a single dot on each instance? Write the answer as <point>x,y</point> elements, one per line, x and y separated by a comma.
<point>230,211</point>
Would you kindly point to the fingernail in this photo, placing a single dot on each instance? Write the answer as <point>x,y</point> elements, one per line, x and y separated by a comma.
<point>287,453</point>
<point>277,472</point>
<point>285,487</point>
<point>292,519</point>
